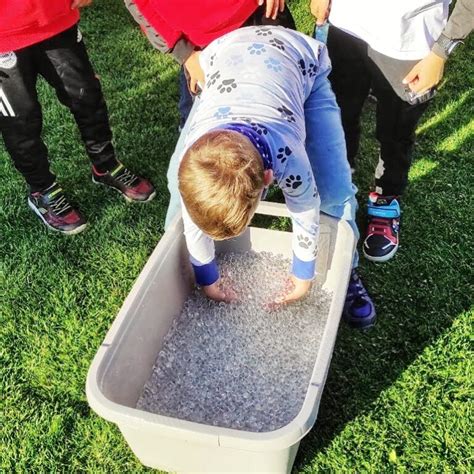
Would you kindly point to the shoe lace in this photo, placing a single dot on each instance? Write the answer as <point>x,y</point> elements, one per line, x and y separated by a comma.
<point>126,177</point>
<point>356,288</point>
<point>380,226</point>
<point>60,205</point>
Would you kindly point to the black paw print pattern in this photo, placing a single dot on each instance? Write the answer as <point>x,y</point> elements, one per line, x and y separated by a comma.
<point>259,128</point>
<point>213,78</point>
<point>315,191</point>
<point>287,114</point>
<point>315,252</point>
<point>277,44</point>
<point>284,153</point>
<point>309,69</point>
<point>212,59</point>
<point>293,181</point>
<point>303,242</point>
<point>227,85</point>
<point>264,31</point>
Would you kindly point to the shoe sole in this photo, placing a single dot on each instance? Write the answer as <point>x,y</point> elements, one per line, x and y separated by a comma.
<point>75,231</point>
<point>150,197</point>
<point>380,259</point>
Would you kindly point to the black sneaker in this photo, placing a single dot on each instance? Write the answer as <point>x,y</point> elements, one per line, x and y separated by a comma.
<point>381,242</point>
<point>132,187</point>
<point>52,207</point>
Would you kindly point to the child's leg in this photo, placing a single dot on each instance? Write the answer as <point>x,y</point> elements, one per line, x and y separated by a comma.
<point>327,153</point>
<point>350,81</point>
<point>64,63</point>
<point>326,150</point>
<point>396,124</point>
<point>185,99</point>
<point>21,118</point>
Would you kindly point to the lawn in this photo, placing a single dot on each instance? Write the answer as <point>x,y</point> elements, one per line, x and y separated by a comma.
<point>398,398</point>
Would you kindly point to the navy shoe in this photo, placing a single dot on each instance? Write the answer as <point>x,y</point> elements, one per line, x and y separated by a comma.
<point>359,311</point>
<point>381,242</point>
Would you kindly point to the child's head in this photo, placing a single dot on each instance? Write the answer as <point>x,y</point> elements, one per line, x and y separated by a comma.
<point>221,178</point>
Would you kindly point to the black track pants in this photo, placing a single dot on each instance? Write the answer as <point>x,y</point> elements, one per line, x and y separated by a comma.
<point>353,75</point>
<point>62,60</point>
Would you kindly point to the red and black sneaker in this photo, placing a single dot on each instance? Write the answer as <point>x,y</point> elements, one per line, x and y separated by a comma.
<point>52,207</point>
<point>132,187</point>
<point>383,228</point>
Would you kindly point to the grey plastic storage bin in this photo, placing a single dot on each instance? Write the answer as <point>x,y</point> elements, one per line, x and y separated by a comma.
<point>125,359</point>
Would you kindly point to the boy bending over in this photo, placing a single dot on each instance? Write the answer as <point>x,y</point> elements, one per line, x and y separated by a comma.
<point>266,113</point>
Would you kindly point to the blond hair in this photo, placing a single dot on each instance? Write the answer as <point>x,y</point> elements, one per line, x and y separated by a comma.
<point>220,181</point>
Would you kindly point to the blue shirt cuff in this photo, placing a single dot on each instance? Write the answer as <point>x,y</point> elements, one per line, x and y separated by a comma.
<point>303,270</point>
<point>206,274</point>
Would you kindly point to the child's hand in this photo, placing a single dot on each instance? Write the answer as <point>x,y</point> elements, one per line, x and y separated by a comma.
<point>272,7</point>
<point>80,4</point>
<point>195,71</point>
<point>294,291</point>
<point>217,293</point>
<point>320,10</point>
<point>425,74</point>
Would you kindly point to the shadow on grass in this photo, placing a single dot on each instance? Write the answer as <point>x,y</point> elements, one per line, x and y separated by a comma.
<point>422,290</point>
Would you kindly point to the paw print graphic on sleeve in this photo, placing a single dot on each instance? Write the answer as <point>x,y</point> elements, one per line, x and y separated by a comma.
<point>264,31</point>
<point>309,69</point>
<point>212,59</point>
<point>273,64</point>
<point>227,85</point>
<point>287,114</point>
<point>213,78</point>
<point>303,242</point>
<point>257,49</point>
<point>315,252</point>
<point>284,153</point>
<point>222,113</point>
<point>293,181</point>
<point>277,44</point>
<point>315,191</point>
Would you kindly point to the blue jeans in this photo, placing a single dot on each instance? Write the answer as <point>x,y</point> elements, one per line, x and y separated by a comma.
<point>326,150</point>
<point>185,98</point>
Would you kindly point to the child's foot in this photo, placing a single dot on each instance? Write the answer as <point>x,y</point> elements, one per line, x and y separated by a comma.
<point>359,311</point>
<point>52,207</point>
<point>381,241</point>
<point>132,187</point>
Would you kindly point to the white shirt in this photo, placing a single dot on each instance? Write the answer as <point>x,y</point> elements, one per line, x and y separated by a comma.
<point>401,29</point>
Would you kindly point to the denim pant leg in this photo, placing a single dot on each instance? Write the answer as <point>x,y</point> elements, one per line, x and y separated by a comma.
<point>185,99</point>
<point>172,175</point>
<point>326,150</point>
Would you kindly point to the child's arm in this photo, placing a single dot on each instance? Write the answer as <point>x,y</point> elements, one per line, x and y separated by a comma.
<point>183,51</point>
<point>75,4</point>
<point>202,255</point>
<point>302,199</point>
<point>429,71</point>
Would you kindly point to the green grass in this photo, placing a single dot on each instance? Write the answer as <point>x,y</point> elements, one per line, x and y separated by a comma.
<point>398,398</point>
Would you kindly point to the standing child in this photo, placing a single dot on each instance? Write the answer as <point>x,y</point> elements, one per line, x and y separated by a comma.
<point>184,28</point>
<point>266,112</point>
<point>42,38</point>
<point>397,48</point>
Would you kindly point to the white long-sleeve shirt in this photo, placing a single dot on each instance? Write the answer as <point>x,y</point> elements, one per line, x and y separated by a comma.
<point>400,29</point>
<point>262,76</point>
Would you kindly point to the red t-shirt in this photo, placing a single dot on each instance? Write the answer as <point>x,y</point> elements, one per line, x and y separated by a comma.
<point>199,21</point>
<point>26,22</point>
